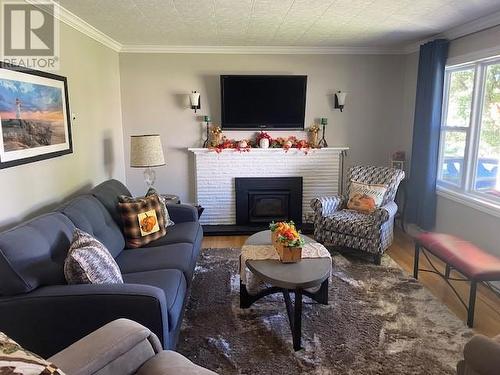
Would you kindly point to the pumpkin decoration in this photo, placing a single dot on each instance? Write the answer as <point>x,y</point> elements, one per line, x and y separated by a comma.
<point>148,223</point>
<point>243,144</point>
<point>362,202</point>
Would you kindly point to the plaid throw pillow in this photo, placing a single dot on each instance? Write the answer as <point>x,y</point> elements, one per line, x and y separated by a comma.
<point>168,221</point>
<point>17,361</point>
<point>142,218</point>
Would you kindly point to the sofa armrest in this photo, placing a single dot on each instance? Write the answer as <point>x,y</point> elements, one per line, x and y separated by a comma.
<point>182,213</point>
<point>50,318</point>
<point>384,213</point>
<point>121,346</point>
<point>324,206</point>
<point>482,355</point>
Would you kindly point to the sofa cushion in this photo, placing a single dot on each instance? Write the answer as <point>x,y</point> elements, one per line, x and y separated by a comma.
<point>351,222</point>
<point>107,193</point>
<point>175,256</point>
<point>188,232</point>
<point>89,215</point>
<point>32,254</point>
<point>89,262</point>
<point>171,281</point>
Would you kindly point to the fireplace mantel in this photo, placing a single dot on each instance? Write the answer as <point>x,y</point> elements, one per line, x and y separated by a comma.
<point>321,170</point>
<point>291,151</point>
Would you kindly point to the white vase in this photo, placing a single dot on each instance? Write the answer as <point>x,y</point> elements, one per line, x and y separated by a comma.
<point>264,143</point>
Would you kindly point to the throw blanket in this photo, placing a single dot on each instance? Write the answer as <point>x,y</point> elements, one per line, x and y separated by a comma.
<point>264,252</point>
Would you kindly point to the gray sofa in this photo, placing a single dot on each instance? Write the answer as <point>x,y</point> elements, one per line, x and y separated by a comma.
<point>38,308</point>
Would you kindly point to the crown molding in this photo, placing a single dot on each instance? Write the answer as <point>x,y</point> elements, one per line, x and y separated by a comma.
<point>264,50</point>
<point>72,20</point>
<point>474,26</point>
<point>468,28</point>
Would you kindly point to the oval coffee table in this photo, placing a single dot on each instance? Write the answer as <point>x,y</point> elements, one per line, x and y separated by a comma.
<point>288,277</point>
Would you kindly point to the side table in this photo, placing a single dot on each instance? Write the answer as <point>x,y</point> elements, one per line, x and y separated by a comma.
<point>171,198</point>
<point>174,199</point>
<point>401,198</point>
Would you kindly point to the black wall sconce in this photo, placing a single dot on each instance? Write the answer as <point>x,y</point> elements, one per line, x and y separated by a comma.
<point>194,99</point>
<point>340,100</point>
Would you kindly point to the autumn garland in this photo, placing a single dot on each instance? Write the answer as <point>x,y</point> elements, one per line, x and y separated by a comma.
<point>279,142</point>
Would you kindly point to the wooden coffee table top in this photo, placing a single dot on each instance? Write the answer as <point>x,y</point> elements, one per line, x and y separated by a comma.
<point>306,273</point>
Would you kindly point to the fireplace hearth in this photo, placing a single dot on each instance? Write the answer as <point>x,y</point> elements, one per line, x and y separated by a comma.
<point>260,200</point>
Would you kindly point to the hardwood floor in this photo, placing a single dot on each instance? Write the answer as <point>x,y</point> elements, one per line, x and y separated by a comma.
<point>487,316</point>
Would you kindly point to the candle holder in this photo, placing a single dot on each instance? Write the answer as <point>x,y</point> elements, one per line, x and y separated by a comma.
<point>322,142</point>
<point>207,140</point>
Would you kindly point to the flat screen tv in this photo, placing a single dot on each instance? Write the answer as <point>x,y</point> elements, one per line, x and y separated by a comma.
<point>263,101</point>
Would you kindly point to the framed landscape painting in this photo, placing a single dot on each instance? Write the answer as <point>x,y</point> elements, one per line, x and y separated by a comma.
<point>34,116</point>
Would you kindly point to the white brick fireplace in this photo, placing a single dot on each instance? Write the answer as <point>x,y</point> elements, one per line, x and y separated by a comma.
<point>321,170</point>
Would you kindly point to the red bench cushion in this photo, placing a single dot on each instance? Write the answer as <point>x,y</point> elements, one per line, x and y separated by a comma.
<point>464,256</point>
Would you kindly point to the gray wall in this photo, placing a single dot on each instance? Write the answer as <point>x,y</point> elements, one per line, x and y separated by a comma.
<point>153,86</point>
<point>94,95</point>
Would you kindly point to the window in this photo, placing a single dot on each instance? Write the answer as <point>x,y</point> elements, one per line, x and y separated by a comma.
<point>469,154</point>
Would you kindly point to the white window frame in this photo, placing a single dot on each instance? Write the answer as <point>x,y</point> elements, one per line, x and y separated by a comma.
<point>465,192</point>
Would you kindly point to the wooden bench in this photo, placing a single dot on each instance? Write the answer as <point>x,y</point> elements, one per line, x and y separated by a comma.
<point>474,263</point>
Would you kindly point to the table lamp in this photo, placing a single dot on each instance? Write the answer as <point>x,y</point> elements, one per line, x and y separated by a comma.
<point>146,152</point>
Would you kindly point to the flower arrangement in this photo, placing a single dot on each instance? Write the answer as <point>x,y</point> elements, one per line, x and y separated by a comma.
<point>313,135</point>
<point>226,143</point>
<point>287,241</point>
<point>286,233</point>
<point>217,136</point>
<point>313,129</point>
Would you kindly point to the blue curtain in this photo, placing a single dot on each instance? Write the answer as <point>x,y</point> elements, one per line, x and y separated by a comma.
<point>421,208</point>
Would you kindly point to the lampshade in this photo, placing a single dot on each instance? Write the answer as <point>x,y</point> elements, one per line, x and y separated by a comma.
<point>146,151</point>
<point>341,97</point>
<point>194,98</point>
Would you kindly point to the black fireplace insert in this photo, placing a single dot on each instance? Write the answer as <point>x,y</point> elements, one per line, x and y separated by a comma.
<point>260,200</point>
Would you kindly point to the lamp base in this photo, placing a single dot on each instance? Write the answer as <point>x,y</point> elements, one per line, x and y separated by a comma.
<point>149,177</point>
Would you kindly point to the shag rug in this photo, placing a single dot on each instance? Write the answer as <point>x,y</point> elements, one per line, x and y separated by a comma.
<point>379,321</point>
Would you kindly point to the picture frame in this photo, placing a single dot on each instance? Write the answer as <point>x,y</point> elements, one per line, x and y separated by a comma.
<point>35,121</point>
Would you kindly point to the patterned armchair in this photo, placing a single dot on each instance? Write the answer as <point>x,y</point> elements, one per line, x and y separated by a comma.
<point>335,225</point>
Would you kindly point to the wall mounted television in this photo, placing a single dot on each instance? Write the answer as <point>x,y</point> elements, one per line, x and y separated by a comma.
<point>263,101</point>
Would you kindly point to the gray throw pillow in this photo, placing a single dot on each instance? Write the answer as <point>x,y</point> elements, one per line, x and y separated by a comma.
<point>89,262</point>
<point>164,209</point>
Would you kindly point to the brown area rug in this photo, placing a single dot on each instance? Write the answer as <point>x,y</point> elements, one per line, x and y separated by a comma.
<point>379,321</point>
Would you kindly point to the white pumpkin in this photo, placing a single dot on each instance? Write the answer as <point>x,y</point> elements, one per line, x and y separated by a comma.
<point>288,144</point>
<point>243,144</point>
<point>264,143</point>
